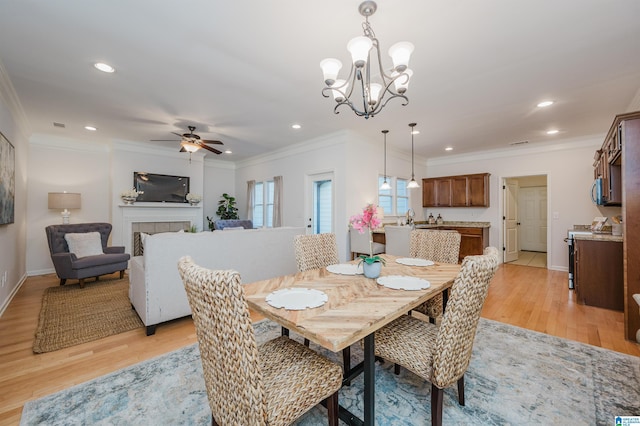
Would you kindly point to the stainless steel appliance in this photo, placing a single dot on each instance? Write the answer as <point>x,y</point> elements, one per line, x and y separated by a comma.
<point>570,242</point>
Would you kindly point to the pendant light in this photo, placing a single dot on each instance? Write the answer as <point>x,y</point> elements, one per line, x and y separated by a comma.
<point>385,185</point>
<point>412,183</point>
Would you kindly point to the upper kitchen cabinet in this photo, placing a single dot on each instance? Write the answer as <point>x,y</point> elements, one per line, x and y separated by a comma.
<point>456,191</point>
<point>607,168</point>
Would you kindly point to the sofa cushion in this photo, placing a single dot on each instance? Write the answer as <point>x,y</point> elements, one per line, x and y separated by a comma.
<point>101,259</point>
<point>84,244</point>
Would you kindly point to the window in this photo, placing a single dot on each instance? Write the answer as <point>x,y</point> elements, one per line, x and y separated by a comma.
<point>394,201</point>
<point>263,205</point>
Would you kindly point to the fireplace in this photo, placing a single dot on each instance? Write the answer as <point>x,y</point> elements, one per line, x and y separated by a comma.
<point>152,218</point>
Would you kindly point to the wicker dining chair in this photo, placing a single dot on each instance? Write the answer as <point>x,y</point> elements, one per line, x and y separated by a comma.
<point>271,384</point>
<point>441,353</point>
<point>314,252</point>
<point>440,246</point>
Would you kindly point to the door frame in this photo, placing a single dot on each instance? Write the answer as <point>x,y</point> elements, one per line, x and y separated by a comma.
<point>502,182</point>
<point>309,178</point>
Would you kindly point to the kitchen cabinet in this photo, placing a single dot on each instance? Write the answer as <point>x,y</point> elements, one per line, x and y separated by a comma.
<point>598,274</point>
<point>472,241</point>
<point>607,166</point>
<point>627,126</point>
<point>456,191</point>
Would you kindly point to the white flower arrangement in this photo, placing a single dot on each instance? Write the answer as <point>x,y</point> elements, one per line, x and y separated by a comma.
<point>194,198</point>
<point>132,193</point>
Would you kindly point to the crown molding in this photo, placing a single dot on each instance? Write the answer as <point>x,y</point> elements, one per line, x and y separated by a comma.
<point>519,151</point>
<point>10,98</point>
<point>56,142</point>
<point>331,139</point>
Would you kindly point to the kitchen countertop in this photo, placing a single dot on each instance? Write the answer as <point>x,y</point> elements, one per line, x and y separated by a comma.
<point>598,237</point>
<point>459,224</point>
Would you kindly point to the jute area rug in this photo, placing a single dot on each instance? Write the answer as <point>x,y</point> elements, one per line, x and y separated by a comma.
<point>71,315</point>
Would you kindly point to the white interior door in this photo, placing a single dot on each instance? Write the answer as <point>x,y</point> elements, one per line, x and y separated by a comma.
<point>510,216</point>
<point>532,202</point>
<point>321,203</point>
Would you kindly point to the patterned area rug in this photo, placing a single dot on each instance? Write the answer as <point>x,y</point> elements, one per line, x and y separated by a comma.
<point>71,315</point>
<point>516,376</point>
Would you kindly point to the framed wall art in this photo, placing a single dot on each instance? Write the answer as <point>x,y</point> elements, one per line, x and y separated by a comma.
<point>7,181</point>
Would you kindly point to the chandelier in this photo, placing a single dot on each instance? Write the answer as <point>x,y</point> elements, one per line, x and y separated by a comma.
<point>376,94</point>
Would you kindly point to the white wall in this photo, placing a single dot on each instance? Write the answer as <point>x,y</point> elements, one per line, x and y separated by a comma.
<point>100,172</point>
<point>568,167</point>
<point>14,127</point>
<point>355,162</point>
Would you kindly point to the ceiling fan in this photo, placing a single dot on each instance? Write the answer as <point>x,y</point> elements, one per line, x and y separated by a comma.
<point>191,142</point>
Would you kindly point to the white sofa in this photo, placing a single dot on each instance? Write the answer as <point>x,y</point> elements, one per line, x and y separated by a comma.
<point>156,290</point>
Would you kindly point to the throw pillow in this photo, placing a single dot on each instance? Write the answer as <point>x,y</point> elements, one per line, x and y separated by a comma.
<point>84,244</point>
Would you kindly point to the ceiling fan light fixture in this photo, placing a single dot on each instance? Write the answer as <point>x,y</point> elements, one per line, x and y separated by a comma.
<point>189,146</point>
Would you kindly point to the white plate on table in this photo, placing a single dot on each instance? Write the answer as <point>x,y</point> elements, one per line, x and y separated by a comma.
<point>402,282</point>
<point>297,299</point>
<point>345,269</point>
<point>414,261</point>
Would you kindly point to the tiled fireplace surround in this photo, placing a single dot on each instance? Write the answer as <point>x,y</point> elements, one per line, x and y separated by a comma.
<point>152,218</point>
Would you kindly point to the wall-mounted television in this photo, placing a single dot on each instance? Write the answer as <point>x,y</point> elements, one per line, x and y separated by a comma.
<point>161,188</point>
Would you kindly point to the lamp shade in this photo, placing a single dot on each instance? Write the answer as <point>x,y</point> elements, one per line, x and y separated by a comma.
<point>64,200</point>
<point>330,68</point>
<point>400,54</point>
<point>402,81</point>
<point>189,146</point>
<point>359,48</point>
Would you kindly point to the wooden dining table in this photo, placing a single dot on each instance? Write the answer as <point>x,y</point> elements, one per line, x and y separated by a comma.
<point>356,307</point>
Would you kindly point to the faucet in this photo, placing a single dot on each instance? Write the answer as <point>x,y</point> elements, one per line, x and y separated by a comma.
<point>410,215</point>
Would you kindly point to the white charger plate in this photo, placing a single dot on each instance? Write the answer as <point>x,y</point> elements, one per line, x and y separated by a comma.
<point>402,282</point>
<point>297,299</point>
<point>414,261</point>
<point>345,269</point>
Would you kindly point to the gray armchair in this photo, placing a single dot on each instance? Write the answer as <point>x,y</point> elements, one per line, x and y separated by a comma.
<point>70,266</point>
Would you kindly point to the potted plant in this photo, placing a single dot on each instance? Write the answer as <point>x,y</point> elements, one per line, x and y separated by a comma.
<point>368,221</point>
<point>227,207</point>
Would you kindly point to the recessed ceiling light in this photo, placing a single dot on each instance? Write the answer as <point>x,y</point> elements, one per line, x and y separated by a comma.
<point>228,151</point>
<point>296,126</point>
<point>449,148</point>
<point>91,128</point>
<point>552,132</point>
<point>104,67</point>
<point>545,104</point>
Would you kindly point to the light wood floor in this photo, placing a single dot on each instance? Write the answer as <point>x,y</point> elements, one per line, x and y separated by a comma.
<point>533,298</point>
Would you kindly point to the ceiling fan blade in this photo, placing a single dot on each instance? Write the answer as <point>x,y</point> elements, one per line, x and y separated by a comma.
<point>177,134</point>
<point>208,148</point>
<point>213,142</point>
<point>163,140</point>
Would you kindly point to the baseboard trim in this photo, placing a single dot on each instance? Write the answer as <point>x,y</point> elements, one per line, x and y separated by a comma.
<point>13,293</point>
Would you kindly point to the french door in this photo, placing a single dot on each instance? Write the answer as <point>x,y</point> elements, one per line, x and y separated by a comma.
<point>320,203</point>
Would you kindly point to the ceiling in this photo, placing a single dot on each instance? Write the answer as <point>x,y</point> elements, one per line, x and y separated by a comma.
<point>244,71</point>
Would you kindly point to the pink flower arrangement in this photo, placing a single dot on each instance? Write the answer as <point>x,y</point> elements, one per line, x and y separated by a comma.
<point>367,221</point>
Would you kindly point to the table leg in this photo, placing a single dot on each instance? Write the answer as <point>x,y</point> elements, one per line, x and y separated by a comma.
<point>369,380</point>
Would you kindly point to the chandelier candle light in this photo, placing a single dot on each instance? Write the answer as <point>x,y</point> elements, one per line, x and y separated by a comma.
<point>375,95</point>
<point>368,220</point>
